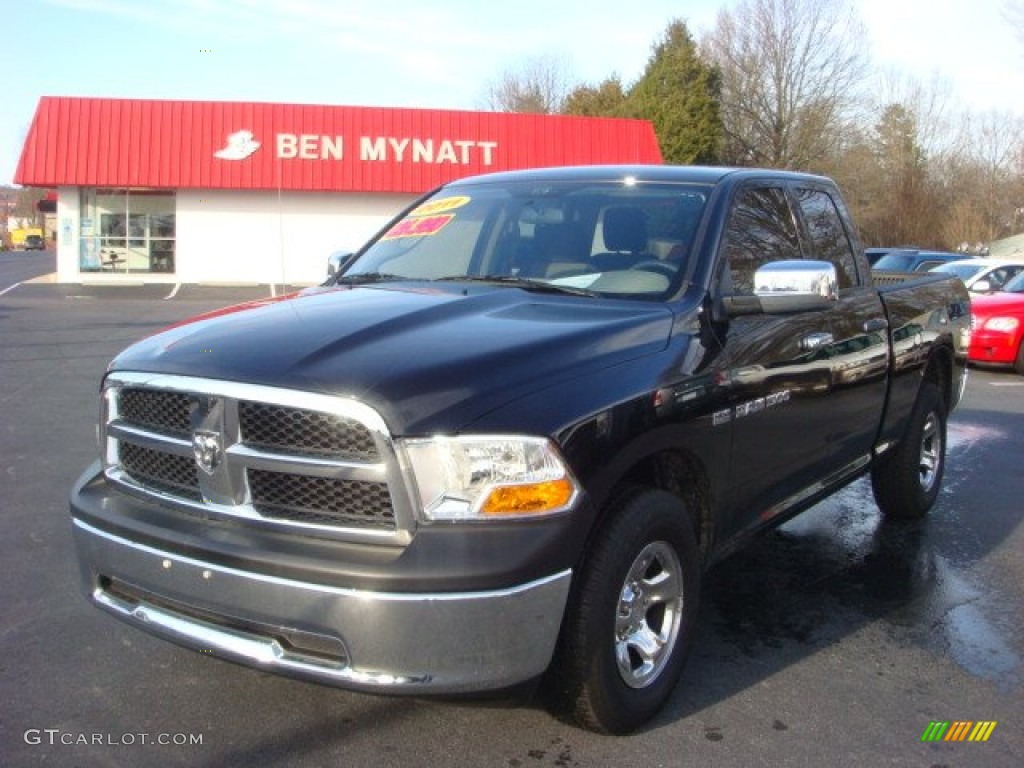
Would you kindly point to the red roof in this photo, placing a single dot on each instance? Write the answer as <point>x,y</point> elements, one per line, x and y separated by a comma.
<point>234,145</point>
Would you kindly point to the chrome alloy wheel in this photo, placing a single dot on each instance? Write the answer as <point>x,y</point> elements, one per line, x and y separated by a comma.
<point>649,614</point>
<point>930,459</point>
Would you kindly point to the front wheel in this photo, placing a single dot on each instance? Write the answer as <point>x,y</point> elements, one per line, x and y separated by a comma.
<point>630,624</point>
<point>1018,364</point>
<point>907,481</point>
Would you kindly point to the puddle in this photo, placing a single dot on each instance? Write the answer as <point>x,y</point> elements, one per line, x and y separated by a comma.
<point>841,565</point>
<point>979,647</point>
<point>965,435</point>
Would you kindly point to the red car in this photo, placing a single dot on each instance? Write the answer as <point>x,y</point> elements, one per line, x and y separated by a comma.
<point>997,326</point>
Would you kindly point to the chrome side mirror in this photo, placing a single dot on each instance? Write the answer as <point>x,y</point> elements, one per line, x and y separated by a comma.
<point>338,261</point>
<point>796,285</point>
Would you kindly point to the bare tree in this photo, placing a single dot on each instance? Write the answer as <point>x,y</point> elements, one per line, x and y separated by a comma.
<point>1014,12</point>
<point>26,202</point>
<point>540,85</point>
<point>984,175</point>
<point>790,73</point>
<point>887,164</point>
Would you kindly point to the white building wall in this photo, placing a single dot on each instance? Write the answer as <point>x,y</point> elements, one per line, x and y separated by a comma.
<point>260,237</point>
<point>229,236</point>
<point>68,227</point>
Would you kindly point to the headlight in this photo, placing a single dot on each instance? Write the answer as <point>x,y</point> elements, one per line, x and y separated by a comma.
<point>1002,324</point>
<point>488,477</point>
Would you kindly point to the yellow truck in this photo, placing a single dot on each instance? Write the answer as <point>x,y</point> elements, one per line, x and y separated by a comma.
<point>28,239</point>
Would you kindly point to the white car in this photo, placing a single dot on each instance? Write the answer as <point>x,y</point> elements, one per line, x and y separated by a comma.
<point>983,275</point>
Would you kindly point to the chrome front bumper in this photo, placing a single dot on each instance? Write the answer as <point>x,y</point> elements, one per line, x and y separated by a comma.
<point>372,641</point>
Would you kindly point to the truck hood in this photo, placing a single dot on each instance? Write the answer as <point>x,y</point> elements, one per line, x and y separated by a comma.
<point>428,359</point>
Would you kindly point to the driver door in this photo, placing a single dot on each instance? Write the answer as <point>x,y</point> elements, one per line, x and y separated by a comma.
<point>777,367</point>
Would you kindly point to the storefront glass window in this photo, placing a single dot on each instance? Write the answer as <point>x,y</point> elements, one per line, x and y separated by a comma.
<point>129,231</point>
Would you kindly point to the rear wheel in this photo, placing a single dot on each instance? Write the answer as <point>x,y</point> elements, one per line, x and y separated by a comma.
<point>907,481</point>
<point>630,625</point>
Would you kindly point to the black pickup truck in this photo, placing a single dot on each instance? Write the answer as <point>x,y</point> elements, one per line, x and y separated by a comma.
<point>502,444</point>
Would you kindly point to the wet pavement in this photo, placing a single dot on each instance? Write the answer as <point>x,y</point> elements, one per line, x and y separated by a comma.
<point>835,639</point>
<point>920,580</point>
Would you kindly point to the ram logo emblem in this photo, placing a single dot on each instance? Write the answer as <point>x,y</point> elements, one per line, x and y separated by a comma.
<point>207,450</point>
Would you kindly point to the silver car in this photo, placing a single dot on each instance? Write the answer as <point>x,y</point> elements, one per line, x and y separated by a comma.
<point>983,275</point>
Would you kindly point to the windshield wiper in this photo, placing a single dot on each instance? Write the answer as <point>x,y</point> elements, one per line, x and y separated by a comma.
<point>363,278</point>
<point>526,283</point>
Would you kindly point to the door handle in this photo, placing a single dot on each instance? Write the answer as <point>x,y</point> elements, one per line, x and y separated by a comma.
<point>875,324</point>
<point>815,340</point>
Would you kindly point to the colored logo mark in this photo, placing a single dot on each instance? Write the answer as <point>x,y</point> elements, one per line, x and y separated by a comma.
<point>958,730</point>
<point>239,146</point>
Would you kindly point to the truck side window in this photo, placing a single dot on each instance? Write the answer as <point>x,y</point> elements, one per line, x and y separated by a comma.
<point>761,229</point>
<point>828,235</point>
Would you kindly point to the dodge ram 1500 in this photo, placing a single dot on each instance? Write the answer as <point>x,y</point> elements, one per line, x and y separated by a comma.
<point>502,444</point>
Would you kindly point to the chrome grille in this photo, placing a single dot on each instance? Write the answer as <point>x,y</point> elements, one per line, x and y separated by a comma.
<point>164,412</point>
<point>295,430</point>
<point>163,471</point>
<point>318,463</point>
<point>319,499</point>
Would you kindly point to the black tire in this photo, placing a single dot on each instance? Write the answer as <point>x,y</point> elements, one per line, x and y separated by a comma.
<point>908,479</point>
<point>1018,364</point>
<point>630,622</point>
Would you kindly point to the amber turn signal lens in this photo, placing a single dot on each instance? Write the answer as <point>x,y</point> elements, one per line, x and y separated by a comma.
<point>534,498</point>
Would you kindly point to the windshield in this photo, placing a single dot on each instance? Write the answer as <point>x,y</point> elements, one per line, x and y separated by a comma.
<point>1016,285</point>
<point>963,271</point>
<point>895,262</point>
<point>612,238</point>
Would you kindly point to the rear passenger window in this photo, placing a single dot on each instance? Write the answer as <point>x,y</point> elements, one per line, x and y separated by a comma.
<point>761,229</point>
<point>828,235</point>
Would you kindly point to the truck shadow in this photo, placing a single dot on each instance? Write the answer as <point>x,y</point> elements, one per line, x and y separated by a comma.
<point>840,568</point>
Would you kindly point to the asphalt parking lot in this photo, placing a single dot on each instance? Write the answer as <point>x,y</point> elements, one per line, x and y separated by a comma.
<point>833,641</point>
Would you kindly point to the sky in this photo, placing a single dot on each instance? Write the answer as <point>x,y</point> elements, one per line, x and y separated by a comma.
<point>420,53</point>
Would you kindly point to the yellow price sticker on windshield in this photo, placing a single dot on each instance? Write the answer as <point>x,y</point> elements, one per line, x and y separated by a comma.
<point>440,205</point>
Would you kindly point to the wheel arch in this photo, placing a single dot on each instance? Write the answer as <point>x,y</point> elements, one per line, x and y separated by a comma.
<point>939,370</point>
<point>675,470</point>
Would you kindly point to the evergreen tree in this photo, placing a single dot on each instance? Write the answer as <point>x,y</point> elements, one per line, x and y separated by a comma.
<point>909,211</point>
<point>607,99</point>
<point>679,93</point>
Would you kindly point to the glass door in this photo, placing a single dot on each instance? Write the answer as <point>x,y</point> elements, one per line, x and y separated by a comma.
<point>127,231</point>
